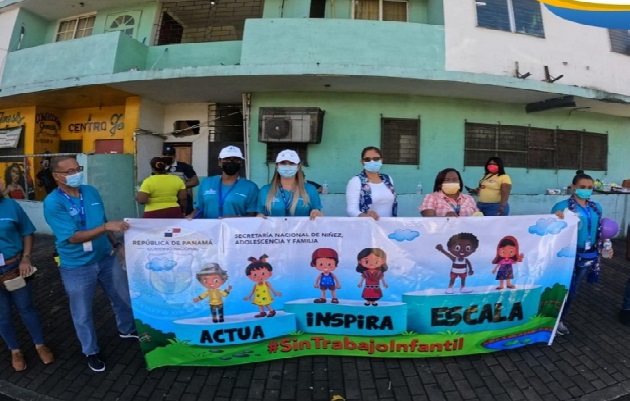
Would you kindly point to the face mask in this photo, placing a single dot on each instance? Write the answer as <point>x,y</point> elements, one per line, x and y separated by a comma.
<point>287,171</point>
<point>74,180</point>
<point>583,193</point>
<point>493,168</point>
<point>231,168</point>
<point>450,188</point>
<point>372,166</point>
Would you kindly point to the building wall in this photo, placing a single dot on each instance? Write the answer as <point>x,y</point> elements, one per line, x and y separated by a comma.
<point>7,18</point>
<point>191,111</point>
<point>579,52</point>
<point>352,121</point>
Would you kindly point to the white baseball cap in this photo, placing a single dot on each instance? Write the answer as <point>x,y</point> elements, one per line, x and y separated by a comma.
<point>230,151</point>
<point>288,155</point>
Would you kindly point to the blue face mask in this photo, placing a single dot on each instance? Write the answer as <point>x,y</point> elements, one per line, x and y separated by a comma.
<point>74,180</point>
<point>372,166</point>
<point>287,171</point>
<point>583,193</point>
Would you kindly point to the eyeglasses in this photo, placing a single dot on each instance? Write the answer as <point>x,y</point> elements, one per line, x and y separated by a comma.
<point>70,171</point>
<point>372,159</point>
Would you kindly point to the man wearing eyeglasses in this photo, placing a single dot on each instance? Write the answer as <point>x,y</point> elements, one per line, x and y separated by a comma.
<point>85,241</point>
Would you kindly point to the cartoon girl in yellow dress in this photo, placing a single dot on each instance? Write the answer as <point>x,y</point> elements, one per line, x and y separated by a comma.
<point>259,271</point>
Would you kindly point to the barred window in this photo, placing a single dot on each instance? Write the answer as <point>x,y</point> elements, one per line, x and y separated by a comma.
<point>400,140</point>
<point>519,16</point>
<point>538,148</point>
<point>619,41</point>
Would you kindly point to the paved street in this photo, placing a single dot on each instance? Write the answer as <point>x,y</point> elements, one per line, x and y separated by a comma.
<point>592,363</point>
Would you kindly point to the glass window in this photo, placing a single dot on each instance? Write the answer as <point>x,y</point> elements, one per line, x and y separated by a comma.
<point>619,41</point>
<point>519,16</point>
<point>75,28</point>
<point>381,10</point>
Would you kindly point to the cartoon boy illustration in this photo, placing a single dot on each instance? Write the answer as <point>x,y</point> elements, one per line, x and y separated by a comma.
<point>212,277</point>
<point>507,255</point>
<point>372,264</point>
<point>259,271</point>
<point>326,260</point>
<point>460,247</point>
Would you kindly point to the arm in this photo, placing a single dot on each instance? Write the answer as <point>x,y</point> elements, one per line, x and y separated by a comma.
<point>505,194</point>
<point>469,206</point>
<point>142,198</point>
<point>182,199</point>
<point>192,182</point>
<point>353,192</point>
<point>82,236</point>
<point>470,269</point>
<point>337,282</point>
<point>247,298</point>
<point>276,293</point>
<point>383,281</point>
<point>427,208</point>
<point>440,248</point>
<point>25,263</point>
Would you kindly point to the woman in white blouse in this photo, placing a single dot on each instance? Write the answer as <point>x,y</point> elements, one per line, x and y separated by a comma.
<point>371,193</point>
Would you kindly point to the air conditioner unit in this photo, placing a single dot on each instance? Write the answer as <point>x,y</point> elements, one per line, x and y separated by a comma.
<point>290,124</point>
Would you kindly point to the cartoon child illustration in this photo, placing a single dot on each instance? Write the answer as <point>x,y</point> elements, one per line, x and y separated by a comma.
<point>507,255</point>
<point>212,277</point>
<point>372,264</point>
<point>326,260</point>
<point>259,271</point>
<point>460,247</point>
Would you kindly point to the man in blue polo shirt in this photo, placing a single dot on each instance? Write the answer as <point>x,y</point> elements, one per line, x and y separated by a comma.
<point>226,195</point>
<point>84,241</point>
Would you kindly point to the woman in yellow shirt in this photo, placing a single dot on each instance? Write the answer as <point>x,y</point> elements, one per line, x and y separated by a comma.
<point>494,189</point>
<point>163,195</point>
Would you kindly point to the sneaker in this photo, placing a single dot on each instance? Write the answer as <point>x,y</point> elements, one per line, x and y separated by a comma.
<point>133,334</point>
<point>562,329</point>
<point>45,354</point>
<point>17,361</point>
<point>95,363</point>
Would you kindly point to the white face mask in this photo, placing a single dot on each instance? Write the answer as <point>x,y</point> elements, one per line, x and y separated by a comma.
<point>74,180</point>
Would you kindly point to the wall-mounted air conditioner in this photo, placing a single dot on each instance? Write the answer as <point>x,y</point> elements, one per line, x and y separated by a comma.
<point>290,124</point>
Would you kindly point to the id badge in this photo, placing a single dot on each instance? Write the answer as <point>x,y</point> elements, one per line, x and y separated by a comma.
<point>2,259</point>
<point>87,246</point>
<point>587,245</point>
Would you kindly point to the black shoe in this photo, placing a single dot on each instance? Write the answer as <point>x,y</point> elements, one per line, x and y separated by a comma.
<point>95,363</point>
<point>624,317</point>
<point>133,334</point>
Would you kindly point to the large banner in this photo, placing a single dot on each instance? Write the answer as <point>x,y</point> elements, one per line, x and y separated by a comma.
<point>234,291</point>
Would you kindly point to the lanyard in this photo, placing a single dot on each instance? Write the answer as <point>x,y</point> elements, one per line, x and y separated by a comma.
<point>222,198</point>
<point>456,207</point>
<point>81,211</point>
<point>587,211</point>
<point>287,202</point>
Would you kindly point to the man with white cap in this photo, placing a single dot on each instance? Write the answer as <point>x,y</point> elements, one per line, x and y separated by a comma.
<point>289,194</point>
<point>226,195</point>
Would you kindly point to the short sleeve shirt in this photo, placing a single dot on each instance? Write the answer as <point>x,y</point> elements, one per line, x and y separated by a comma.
<point>162,190</point>
<point>279,203</point>
<point>442,204</point>
<point>583,215</point>
<point>64,218</point>
<point>218,200</point>
<point>490,187</point>
<point>182,170</point>
<point>14,226</point>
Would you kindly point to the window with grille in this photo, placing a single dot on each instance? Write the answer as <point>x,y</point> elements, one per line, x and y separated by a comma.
<point>75,28</point>
<point>274,148</point>
<point>400,140</point>
<point>123,22</point>
<point>619,41</point>
<point>518,16</point>
<point>381,10</point>
<point>538,148</point>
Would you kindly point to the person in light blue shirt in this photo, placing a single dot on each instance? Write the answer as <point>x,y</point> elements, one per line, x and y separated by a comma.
<point>228,194</point>
<point>289,194</point>
<point>84,241</point>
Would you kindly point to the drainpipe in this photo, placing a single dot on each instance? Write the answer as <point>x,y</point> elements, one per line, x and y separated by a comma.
<point>247,103</point>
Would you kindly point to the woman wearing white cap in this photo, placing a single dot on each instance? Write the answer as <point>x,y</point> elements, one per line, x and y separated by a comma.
<point>371,193</point>
<point>289,194</point>
<point>226,195</point>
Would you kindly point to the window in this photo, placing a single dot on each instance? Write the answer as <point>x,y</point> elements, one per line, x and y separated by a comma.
<point>400,139</point>
<point>539,148</point>
<point>519,16</point>
<point>171,31</point>
<point>75,28</point>
<point>123,22</point>
<point>274,148</point>
<point>619,41</point>
<point>381,10</point>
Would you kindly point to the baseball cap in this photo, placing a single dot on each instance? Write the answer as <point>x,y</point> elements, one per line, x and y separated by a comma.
<point>288,155</point>
<point>169,151</point>
<point>230,151</point>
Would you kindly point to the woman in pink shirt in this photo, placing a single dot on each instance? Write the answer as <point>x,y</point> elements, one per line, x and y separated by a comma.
<point>447,199</point>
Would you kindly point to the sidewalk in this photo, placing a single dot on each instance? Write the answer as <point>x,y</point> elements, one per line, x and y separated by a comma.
<point>592,363</point>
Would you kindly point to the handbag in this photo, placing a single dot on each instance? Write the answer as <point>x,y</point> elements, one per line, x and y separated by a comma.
<point>13,281</point>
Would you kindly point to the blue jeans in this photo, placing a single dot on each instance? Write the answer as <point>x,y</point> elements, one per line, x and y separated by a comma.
<point>578,276</point>
<point>491,209</point>
<point>626,296</point>
<point>80,284</point>
<point>23,302</point>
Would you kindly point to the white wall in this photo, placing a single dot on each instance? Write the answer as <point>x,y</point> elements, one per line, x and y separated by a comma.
<point>581,53</point>
<point>151,116</point>
<point>7,22</point>
<point>190,111</point>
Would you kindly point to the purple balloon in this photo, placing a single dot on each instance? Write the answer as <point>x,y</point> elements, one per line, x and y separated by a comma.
<point>609,228</point>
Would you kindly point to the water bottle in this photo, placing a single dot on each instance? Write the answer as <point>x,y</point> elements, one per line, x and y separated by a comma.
<point>607,251</point>
<point>419,188</point>
<point>325,188</point>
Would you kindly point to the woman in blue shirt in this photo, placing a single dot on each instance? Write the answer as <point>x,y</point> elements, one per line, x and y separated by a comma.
<point>289,194</point>
<point>16,243</point>
<point>588,239</point>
